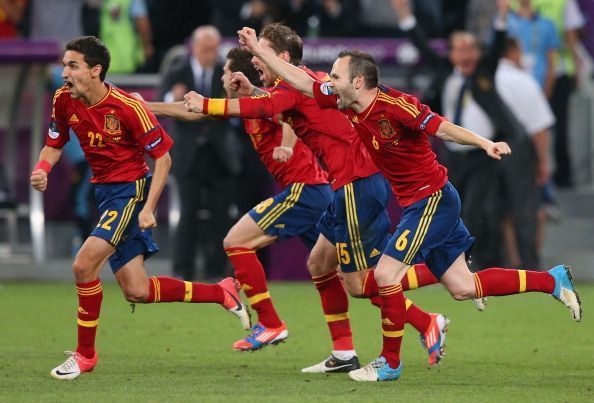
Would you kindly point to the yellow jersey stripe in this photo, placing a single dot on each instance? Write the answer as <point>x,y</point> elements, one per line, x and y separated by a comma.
<point>423,226</point>
<point>188,291</point>
<point>522,278</point>
<point>139,109</point>
<point>258,297</point>
<point>127,213</point>
<point>407,107</point>
<point>140,112</point>
<point>336,317</point>
<point>281,208</point>
<point>397,333</point>
<point>88,323</point>
<point>120,227</point>
<point>353,227</point>
<point>396,103</point>
<point>411,276</point>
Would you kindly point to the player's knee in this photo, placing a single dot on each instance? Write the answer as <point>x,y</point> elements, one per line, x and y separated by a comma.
<point>135,294</point>
<point>354,290</point>
<point>228,241</point>
<point>81,269</point>
<point>462,293</point>
<point>316,266</point>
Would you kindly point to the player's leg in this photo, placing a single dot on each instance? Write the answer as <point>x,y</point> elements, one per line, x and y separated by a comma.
<point>322,265</point>
<point>87,265</point>
<point>294,211</point>
<point>387,366</point>
<point>495,281</point>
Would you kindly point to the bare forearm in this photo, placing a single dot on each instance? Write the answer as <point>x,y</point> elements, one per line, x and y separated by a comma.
<point>175,110</point>
<point>450,132</point>
<point>50,154</point>
<point>160,174</point>
<point>289,137</point>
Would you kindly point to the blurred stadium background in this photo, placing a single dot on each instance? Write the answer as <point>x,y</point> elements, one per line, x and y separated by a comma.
<point>37,235</point>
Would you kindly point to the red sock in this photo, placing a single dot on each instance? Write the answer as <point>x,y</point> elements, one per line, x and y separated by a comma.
<point>335,304</point>
<point>90,296</point>
<point>418,276</point>
<point>393,312</point>
<point>498,281</point>
<point>376,301</point>
<point>168,289</point>
<point>250,273</point>
<point>417,318</point>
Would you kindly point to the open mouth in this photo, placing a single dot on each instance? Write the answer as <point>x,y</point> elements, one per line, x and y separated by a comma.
<point>260,72</point>
<point>68,84</point>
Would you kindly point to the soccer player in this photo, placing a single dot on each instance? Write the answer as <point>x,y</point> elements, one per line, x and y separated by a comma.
<point>394,128</point>
<point>295,211</point>
<point>355,226</point>
<point>115,131</point>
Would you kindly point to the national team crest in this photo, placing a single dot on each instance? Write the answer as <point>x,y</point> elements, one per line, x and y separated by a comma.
<point>386,128</point>
<point>112,124</point>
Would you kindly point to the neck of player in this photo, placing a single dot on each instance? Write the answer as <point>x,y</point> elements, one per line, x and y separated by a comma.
<point>365,99</point>
<point>96,93</point>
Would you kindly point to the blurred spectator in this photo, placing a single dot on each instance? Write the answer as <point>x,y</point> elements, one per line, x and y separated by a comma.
<point>539,43</point>
<point>479,19</point>
<point>463,90</point>
<point>568,20</point>
<point>226,16</point>
<point>125,29</point>
<point>257,13</point>
<point>11,16</point>
<point>173,22</point>
<point>301,15</point>
<point>205,160</point>
<point>61,21</point>
<point>378,19</point>
<point>339,18</point>
<point>529,164</point>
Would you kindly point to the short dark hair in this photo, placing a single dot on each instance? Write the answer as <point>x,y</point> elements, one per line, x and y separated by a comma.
<point>94,51</point>
<point>284,39</point>
<point>362,64</point>
<point>241,60</point>
<point>511,44</point>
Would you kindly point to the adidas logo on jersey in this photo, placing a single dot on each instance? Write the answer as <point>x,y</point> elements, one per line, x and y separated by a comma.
<point>73,118</point>
<point>374,253</point>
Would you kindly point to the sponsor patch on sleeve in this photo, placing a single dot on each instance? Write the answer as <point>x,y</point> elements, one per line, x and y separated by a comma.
<point>150,147</point>
<point>426,121</point>
<point>326,88</point>
<point>53,131</point>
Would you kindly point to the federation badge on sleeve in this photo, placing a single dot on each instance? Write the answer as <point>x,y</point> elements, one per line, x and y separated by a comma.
<point>53,131</point>
<point>112,124</point>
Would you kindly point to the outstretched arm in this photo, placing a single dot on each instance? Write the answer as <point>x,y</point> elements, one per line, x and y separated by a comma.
<point>450,132</point>
<point>175,110</point>
<point>290,73</point>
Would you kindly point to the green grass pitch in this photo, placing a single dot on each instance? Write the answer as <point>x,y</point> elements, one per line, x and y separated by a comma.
<point>522,348</point>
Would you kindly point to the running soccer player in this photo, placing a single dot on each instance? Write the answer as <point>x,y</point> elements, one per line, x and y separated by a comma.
<point>115,131</point>
<point>393,126</point>
<point>354,228</point>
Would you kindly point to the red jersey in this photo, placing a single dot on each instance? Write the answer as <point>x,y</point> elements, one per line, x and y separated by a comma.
<point>394,128</point>
<point>302,167</point>
<point>114,133</point>
<point>326,132</point>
